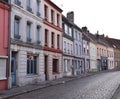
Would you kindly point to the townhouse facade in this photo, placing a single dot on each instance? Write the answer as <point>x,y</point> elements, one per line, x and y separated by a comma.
<point>26,42</point>
<point>110,55</point>
<point>93,53</point>
<point>116,51</point>
<point>68,55</point>
<point>79,63</point>
<point>86,49</point>
<point>4,35</point>
<point>52,16</point>
<point>102,59</point>
<point>107,52</point>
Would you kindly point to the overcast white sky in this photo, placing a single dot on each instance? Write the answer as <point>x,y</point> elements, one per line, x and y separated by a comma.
<point>101,15</point>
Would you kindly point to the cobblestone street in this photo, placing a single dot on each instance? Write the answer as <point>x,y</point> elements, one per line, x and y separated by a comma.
<point>99,86</point>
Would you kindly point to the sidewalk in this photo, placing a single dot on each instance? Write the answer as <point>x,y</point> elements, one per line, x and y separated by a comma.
<point>32,87</point>
<point>116,94</point>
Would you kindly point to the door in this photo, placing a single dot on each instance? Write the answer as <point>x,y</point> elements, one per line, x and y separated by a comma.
<point>13,71</point>
<point>46,67</point>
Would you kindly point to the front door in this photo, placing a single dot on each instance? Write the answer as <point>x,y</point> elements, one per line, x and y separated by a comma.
<point>13,71</point>
<point>46,67</point>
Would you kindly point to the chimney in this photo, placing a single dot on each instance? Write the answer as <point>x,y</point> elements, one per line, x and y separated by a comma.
<point>84,29</point>
<point>97,34</point>
<point>70,16</point>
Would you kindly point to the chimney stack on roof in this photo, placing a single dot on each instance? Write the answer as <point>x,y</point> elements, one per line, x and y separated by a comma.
<point>70,16</point>
<point>84,29</point>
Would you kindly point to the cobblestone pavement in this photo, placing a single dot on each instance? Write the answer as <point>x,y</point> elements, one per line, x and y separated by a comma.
<point>99,86</point>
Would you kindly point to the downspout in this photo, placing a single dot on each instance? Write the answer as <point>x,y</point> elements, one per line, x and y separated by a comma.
<point>9,35</point>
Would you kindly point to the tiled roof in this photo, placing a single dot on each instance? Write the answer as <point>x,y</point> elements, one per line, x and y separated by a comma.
<point>114,42</point>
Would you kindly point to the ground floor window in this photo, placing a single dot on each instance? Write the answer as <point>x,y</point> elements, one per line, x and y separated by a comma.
<point>31,64</point>
<point>2,69</point>
<point>65,65</point>
<point>55,68</point>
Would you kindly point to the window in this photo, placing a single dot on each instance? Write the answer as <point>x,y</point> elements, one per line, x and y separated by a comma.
<point>70,31</point>
<point>46,12</point>
<point>5,1</point>
<point>80,49</point>
<point>38,8</point>
<point>55,66</point>
<point>28,32</point>
<point>76,35</point>
<point>29,6</point>
<point>79,37</point>
<point>77,49</point>
<point>38,35</point>
<point>58,41</point>
<point>84,50</point>
<point>66,29</point>
<point>28,3</point>
<point>52,16</point>
<point>68,48</point>
<point>18,2</point>
<point>58,20</point>
<point>65,65</point>
<point>16,28</point>
<point>71,49</point>
<point>64,46</point>
<point>31,64</point>
<point>76,46</point>
<point>52,39</point>
<point>46,37</point>
<point>87,52</point>
<point>2,69</point>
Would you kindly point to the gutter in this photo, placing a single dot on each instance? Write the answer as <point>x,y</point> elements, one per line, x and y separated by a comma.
<point>9,35</point>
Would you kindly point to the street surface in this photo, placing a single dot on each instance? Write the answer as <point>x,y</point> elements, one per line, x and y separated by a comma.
<point>99,86</point>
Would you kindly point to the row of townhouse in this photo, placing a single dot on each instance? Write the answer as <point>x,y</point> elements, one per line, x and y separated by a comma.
<point>38,43</point>
<point>76,54</point>
<point>34,51</point>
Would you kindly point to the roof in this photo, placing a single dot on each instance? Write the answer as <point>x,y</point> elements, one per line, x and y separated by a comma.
<point>54,5</point>
<point>115,43</point>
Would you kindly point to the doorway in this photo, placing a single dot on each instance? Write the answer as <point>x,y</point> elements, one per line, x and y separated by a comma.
<point>13,71</point>
<point>13,68</point>
<point>46,67</point>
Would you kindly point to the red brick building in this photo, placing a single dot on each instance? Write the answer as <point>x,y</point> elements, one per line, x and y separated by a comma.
<point>4,13</point>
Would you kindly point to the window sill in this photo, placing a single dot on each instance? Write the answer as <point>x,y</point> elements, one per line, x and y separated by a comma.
<point>31,75</point>
<point>3,78</point>
<point>3,57</point>
<point>55,73</point>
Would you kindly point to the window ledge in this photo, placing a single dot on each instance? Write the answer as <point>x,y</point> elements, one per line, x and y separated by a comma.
<point>31,75</point>
<point>5,57</point>
<point>3,78</point>
<point>55,73</point>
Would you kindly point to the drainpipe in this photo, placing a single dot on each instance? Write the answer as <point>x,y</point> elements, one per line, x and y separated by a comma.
<point>9,36</point>
<point>62,52</point>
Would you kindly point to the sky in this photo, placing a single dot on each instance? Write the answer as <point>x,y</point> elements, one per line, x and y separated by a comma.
<point>97,15</point>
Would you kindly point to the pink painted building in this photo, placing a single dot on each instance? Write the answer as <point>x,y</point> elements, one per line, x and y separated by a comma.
<point>4,12</point>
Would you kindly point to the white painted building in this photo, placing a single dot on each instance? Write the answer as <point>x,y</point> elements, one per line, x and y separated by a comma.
<point>93,56</point>
<point>68,55</point>
<point>93,52</point>
<point>52,15</point>
<point>27,59</point>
